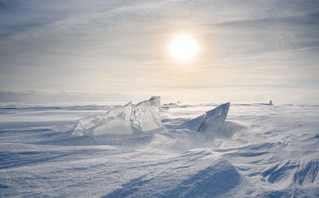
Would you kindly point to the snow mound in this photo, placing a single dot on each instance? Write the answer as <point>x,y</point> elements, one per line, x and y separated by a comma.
<point>128,119</point>
<point>209,121</point>
<point>217,179</point>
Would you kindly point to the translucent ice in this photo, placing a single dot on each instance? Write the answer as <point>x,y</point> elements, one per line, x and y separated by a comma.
<point>128,119</point>
<point>209,121</point>
<point>146,114</point>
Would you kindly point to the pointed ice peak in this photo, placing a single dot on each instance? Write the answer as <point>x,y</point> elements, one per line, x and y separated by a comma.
<point>216,116</point>
<point>155,101</point>
<point>270,103</point>
<point>146,114</point>
<point>208,121</point>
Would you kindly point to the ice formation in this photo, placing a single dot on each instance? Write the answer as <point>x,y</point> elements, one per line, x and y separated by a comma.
<point>275,156</point>
<point>128,119</point>
<point>209,121</point>
<point>270,103</point>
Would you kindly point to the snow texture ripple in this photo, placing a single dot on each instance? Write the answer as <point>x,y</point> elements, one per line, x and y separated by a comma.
<point>257,151</point>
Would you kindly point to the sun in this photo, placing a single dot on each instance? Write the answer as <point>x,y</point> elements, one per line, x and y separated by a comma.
<point>183,47</point>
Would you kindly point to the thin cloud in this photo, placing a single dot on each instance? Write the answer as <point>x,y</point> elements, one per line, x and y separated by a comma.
<point>112,45</point>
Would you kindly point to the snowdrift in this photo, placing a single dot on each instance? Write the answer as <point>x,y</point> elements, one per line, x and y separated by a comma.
<point>275,154</point>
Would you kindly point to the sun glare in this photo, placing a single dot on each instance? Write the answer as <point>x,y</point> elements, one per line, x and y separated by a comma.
<point>183,47</point>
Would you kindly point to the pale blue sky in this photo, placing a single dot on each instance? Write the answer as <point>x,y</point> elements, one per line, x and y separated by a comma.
<point>118,50</point>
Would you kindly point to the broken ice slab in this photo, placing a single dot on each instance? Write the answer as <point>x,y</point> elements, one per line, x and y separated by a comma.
<point>208,121</point>
<point>128,119</point>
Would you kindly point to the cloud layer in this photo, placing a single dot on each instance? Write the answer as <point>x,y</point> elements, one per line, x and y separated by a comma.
<point>122,46</point>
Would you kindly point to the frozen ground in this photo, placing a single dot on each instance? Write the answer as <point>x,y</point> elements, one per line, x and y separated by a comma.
<point>262,151</point>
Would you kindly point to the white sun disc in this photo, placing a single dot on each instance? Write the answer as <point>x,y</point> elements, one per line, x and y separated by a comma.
<point>183,47</point>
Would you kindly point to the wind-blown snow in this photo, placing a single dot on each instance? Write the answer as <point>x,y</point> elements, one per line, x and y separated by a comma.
<point>258,151</point>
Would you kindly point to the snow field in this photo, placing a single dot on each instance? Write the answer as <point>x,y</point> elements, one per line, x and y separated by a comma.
<point>261,151</point>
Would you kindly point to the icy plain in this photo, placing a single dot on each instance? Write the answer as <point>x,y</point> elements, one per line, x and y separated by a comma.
<point>260,151</point>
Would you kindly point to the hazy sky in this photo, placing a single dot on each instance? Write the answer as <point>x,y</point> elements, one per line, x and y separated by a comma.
<point>118,50</point>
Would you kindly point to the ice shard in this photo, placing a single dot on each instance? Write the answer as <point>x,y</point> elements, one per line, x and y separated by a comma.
<point>270,103</point>
<point>209,121</point>
<point>128,119</point>
<point>146,114</point>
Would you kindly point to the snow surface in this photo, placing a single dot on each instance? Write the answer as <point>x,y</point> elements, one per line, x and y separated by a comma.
<point>260,151</point>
